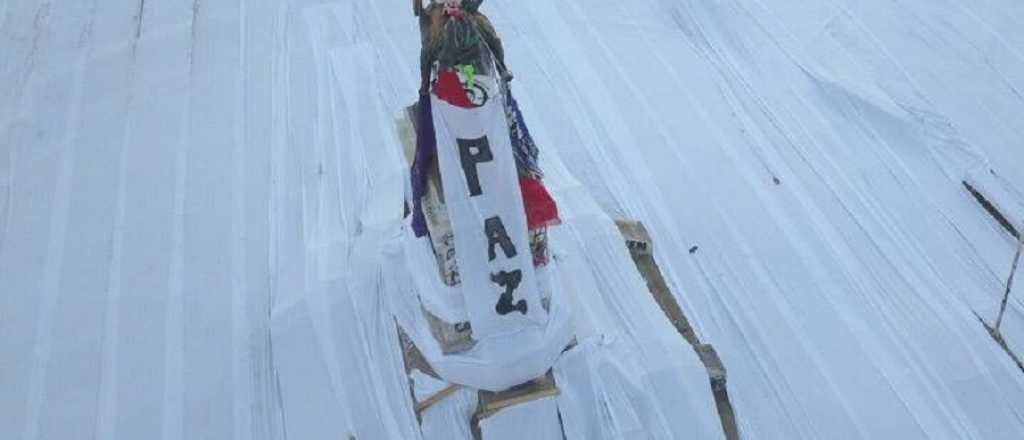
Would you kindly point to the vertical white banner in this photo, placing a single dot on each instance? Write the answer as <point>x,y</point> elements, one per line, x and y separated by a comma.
<point>485,204</point>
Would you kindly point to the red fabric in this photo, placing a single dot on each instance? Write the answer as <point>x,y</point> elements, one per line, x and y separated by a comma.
<point>541,209</point>
<point>449,88</point>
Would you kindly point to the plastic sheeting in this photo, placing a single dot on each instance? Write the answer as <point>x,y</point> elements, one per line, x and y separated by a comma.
<point>603,397</point>
<point>448,419</point>
<point>628,355</point>
<point>170,171</point>
<point>533,420</point>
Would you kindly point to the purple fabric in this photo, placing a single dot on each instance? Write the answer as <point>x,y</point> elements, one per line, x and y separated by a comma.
<point>426,149</point>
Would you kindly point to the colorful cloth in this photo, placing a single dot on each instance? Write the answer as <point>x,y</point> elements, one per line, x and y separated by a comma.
<point>450,89</point>
<point>526,151</point>
<point>541,209</point>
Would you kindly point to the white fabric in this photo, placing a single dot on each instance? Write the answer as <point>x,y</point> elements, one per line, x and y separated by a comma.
<point>495,363</point>
<point>499,197</point>
<point>536,420</point>
<point>444,301</point>
<point>605,397</point>
<point>512,348</point>
<point>152,209</point>
<point>448,419</point>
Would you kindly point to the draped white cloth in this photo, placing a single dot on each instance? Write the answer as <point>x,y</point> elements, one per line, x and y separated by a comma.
<point>485,204</point>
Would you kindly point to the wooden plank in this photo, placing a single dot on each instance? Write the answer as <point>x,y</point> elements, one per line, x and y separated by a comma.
<point>517,400</point>
<point>641,248</point>
<point>436,398</point>
<point>540,388</point>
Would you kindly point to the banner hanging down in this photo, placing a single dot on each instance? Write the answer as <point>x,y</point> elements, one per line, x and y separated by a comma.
<point>485,204</point>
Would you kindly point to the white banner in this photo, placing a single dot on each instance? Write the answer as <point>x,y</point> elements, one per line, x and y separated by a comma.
<point>485,204</point>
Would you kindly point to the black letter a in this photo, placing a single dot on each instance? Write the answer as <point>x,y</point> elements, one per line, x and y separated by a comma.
<point>496,234</point>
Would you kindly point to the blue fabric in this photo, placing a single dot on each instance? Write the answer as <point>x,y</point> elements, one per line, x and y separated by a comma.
<point>525,149</point>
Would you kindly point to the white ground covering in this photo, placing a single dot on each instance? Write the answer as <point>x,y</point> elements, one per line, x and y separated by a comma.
<point>178,178</point>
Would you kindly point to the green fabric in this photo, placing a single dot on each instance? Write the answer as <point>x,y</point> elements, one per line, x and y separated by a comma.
<point>468,71</point>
